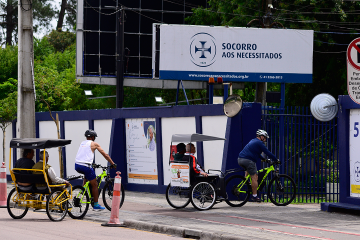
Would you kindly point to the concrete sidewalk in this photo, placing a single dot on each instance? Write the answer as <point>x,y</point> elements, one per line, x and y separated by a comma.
<point>151,212</point>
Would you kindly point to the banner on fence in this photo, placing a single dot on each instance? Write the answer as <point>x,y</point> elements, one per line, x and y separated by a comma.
<point>141,152</point>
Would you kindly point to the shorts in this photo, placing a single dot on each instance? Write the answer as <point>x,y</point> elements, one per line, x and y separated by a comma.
<point>248,165</point>
<point>88,172</point>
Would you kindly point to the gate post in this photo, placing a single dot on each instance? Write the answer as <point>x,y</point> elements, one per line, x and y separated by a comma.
<point>282,128</point>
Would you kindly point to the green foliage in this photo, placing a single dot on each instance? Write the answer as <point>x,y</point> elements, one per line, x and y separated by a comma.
<point>56,84</point>
<point>42,48</point>
<point>7,87</point>
<point>8,109</point>
<point>61,40</point>
<point>8,63</point>
<point>333,177</point>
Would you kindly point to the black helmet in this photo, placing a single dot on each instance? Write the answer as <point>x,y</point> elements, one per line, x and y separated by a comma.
<point>90,133</point>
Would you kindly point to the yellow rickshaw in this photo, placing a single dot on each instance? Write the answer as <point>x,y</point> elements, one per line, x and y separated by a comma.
<point>39,193</point>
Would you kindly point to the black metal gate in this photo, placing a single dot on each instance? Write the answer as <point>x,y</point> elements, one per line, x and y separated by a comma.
<point>307,149</point>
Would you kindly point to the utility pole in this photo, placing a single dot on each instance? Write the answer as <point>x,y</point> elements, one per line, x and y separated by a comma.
<point>261,87</point>
<point>26,93</point>
<point>120,59</point>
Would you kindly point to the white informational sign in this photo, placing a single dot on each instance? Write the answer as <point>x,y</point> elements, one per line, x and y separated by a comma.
<point>141,153</point>
<point>354,152</point>
<point>235,54</point>
<point>180,174</point>
<point>353,70</point>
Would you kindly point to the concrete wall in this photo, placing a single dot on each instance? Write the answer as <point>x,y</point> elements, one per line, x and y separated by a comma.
<point>213,151</point>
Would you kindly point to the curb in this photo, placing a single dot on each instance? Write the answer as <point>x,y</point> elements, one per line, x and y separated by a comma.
<point>179,231</point>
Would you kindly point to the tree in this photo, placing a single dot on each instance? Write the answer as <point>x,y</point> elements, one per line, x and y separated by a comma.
<point>8,65</point>
<point>8,109</point>
<point>61,40</point>
<point>333,22</point>
<point>42,14</point>
<point>69,7</point>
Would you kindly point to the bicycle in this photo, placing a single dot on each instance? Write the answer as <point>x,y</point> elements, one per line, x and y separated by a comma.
<point>82,196</point>
<point>281,188</point>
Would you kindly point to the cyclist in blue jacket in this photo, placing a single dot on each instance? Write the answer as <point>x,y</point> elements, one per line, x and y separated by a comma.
<point>250,155</point>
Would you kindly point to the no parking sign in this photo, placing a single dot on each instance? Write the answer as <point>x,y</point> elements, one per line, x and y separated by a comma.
<point>353,70</point>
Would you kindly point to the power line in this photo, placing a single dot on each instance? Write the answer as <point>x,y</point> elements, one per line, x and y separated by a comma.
<point>126,8</point>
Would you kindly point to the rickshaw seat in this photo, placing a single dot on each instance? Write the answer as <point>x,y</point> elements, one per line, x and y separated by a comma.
<point>33,179</point>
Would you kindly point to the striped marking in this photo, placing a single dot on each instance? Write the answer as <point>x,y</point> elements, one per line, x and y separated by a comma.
<point>116,193</point>
<point>118,180</point>
<point>2,180</point>
<point>2,169</point>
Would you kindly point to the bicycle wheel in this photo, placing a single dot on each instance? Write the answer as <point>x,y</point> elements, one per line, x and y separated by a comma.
<point>238,191</point>
<point>57,205</point>
<point>107,194</point>
<point>79,203</point>
<point>203,196</point>
<point>177,197</point>
<point>16,205</point>
<point>282,190</point>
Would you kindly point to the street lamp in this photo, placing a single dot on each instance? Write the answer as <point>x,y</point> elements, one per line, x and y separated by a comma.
<point>159,99</point>
<point>88,92</point>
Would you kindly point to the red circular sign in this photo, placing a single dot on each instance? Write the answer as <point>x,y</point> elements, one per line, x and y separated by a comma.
<point>353,45</point>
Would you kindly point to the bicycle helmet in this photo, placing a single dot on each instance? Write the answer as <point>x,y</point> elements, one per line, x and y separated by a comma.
<point>90,133</point>
<point>262,133</point>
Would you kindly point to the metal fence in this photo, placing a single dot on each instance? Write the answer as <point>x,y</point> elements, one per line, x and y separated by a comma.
<point>308,151</point>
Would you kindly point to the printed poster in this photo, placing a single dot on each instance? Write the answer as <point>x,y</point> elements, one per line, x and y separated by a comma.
<point>179,174</point>
<point>354,152</point>
<point>141,152</point>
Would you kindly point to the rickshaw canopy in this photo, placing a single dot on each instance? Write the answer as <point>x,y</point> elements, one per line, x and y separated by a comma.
<point>38,143</point>
<point>195,137</point>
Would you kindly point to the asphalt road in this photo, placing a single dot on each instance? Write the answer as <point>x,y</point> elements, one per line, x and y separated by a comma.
<point>36,225</point>
<point>151,212</point>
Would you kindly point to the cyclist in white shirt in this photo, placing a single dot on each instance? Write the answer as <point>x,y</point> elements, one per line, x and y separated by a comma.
<point>83,161</point>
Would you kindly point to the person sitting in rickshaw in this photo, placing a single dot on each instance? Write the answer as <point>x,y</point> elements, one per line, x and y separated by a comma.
<point>50,172</point>
<point>25,162</point>
<point>195,168</point>
<point>181,150</point>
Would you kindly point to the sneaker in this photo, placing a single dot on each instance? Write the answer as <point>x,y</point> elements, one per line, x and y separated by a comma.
<point>254,199</point>
<point>220,198</point>
<point>97,207</point>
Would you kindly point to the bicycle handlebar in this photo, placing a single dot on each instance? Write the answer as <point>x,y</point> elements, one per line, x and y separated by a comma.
<point>271,162</point>
<point>94,165</point>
